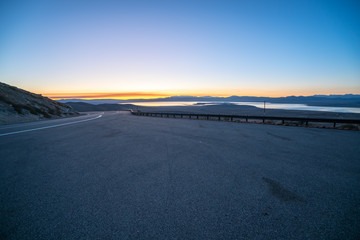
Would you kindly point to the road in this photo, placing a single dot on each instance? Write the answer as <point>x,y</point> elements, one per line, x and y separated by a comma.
<point>120,176</point>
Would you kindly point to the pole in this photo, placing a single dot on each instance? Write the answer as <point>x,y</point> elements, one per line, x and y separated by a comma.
<point>264,107</point>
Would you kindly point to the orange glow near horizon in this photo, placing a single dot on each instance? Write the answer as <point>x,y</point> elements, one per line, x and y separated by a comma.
<point>198,93</point>
<point>120,95</point>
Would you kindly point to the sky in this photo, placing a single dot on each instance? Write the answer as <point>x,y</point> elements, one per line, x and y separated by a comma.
<point>146,49</point>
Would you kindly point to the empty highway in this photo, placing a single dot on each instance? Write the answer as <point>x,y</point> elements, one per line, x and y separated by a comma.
<point>113,175</point>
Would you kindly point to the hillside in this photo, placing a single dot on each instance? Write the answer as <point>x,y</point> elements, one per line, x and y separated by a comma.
<point>18,105</point>
<point>87,107</point>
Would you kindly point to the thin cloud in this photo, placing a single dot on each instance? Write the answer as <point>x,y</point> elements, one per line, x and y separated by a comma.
<point>104,95</point>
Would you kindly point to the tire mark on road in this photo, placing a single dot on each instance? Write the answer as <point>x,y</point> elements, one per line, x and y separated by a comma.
<point>277,136</point>
<point>278,191</point>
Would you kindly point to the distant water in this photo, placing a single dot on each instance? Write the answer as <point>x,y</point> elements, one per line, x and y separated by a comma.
<point>285,106</point>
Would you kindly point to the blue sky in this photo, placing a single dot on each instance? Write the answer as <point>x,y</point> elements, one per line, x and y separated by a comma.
<point>260,48</point>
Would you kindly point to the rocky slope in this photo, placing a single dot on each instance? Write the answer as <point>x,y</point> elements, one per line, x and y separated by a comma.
<point>17,105</point>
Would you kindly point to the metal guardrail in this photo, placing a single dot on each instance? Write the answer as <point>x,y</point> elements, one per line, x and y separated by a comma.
<point>231,118</point>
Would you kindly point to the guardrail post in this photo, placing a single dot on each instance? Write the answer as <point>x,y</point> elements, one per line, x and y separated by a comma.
<point>197,116</point>
<point>246,119</point>
<point>219,118</point>
<point>263,120</point>
<point>334,124</point>
<point>283,121</point>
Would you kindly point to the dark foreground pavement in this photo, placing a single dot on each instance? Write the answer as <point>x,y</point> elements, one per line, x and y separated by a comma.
<point>127,177</point>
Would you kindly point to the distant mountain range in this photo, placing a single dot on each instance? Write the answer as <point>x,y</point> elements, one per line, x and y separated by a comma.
<point>88,107</point>
<point>347,100</point>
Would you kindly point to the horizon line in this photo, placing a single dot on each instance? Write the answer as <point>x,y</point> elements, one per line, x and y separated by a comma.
<point>147,96</point>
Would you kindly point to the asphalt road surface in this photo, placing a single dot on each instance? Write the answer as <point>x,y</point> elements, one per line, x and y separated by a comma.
<point>118,176</point>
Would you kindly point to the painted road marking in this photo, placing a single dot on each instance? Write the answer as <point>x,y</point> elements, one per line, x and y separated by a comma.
<point>57,125</point>
<point>28,124</point>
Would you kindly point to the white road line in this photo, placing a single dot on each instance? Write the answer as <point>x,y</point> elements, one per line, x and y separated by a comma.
<point>27,124</point>
<point>57,125</point>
